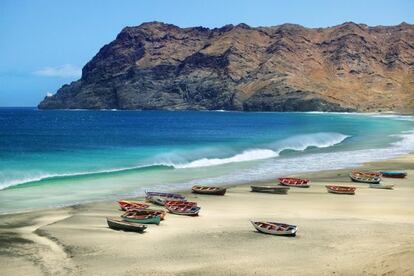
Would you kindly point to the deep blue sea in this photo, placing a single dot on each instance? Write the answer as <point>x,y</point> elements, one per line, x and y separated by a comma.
<point>57,158</point>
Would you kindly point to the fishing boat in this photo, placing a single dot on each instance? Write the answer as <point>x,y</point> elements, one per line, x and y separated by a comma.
<point>118,224</point>
<point>169,195</point>
<point>159,200</point>
<point>345,190</point>
<point>208,190</point>
<point>127,204</point>
<point>146,219</point>
<point>367,173</point>
<point>270,189</point>
<point>184,210</point>
<point>294,182</point>
<point>363,178</point>
<point>275,228</point>
<point>394,174</point>
<point>177,202</point>
<point>382,186</point>
<point>142,212</point>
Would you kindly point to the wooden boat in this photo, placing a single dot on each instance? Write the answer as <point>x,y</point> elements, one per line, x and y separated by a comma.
<point>177,202</point>
<point>394,174</point>
<point>363,178</point>
<point>346,190</point>
<point>118,224</point>
<point>184,210</point>
<point>269,189</point>
<point>208,190</point>
<point>146,219</point>
<point>169,195</point>
<point>382,186</point>
<point>159,200</point>
<point>275,228</point>
<point>127,204</point>
<point>142,212</point>
<point>294,182</point>
<point>372,174</point>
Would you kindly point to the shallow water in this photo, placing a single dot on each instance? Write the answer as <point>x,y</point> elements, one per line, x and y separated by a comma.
<point>55,158</point>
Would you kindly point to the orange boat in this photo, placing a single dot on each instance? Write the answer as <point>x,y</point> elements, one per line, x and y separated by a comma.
<point>294,182</point>
<point>182,203</point>
<point>346,190</point>
<point>127,204</point>
<point>145,212</point>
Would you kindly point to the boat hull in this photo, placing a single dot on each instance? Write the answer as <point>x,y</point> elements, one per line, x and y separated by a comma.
<point>270,189</point>
<point>342,190</point>
<point>394,174</point>
<point>275,228</point>
<point>381,186</point>
<point>152,220</point>
<point>294,182</point>
<point>117,224</point>
<point>186,211</point>
<point>365,179</point>
<point>205,190</point>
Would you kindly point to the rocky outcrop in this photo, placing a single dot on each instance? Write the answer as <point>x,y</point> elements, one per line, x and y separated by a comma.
<point>350,67</point>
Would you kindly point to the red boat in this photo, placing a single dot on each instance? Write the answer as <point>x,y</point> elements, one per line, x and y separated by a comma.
<point>346,190</point>
<point>294,182</point>
<point>126,204</point>
<point>181,203</point>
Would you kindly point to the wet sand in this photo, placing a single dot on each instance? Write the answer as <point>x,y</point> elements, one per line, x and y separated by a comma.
<point>370,233</point>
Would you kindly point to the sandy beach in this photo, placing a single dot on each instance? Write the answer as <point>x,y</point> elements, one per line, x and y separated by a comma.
<point>370,233</point>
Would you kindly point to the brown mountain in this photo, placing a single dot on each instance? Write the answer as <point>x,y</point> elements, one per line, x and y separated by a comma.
<point>282,68</point>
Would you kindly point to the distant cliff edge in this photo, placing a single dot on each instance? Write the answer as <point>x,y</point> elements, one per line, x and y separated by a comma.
<point>349,67</point>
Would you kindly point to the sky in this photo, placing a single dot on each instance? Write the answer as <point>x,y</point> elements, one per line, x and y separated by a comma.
<point>45,43</point>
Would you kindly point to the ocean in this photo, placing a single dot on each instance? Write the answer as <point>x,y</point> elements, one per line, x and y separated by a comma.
<point>66,157</point>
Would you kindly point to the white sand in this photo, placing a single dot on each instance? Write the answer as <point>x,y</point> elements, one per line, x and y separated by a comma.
<point>370,233</point>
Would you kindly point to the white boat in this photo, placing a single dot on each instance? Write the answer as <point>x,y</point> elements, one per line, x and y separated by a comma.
<point>275,228</point>
<point>381,186</point>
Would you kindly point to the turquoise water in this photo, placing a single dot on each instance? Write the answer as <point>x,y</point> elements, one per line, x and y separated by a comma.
<point>57,158</point>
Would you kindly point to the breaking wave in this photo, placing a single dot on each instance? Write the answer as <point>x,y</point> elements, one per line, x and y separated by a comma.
<point>296,143</point>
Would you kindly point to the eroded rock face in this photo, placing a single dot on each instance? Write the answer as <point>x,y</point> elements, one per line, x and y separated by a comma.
<point>350,67</point>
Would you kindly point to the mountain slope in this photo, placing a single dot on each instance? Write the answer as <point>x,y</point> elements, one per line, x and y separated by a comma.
<point>349,67</point>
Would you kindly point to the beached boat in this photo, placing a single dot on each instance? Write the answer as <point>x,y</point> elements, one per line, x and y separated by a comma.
<point>382,186</point>
<point>275,228</point>
<point>294,182</point>
<point>346,190</point>
<point>128,204</point>
<point>177,202</point>
<point>169,195</point>
<point>118,224</point>
<point>146,219</point>
<point>208,190</point>
<point>145,212</point>
<point>394,174</point>
<point>270,189</point>
<point>363,178</point>
<point>159,200</point>
<point>184,210</point>
<point>367,173</point>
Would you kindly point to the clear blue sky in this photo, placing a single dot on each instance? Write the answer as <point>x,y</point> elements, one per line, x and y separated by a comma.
<point>44,43</point>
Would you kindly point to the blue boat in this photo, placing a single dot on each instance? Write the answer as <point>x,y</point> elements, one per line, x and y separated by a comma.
<point>394,174</point>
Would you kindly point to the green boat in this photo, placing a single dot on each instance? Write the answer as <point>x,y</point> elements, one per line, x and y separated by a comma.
<point>143,219</point>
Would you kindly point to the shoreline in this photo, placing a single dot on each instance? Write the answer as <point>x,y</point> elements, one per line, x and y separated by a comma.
<point>334,231</point>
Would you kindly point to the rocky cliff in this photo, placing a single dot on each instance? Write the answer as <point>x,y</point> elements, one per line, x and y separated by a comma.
<point>350,67</point>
